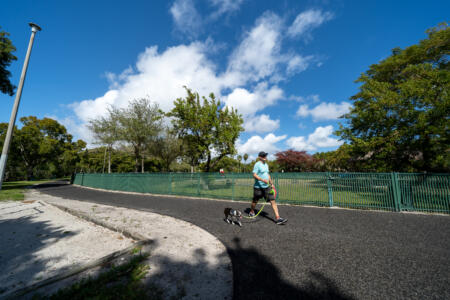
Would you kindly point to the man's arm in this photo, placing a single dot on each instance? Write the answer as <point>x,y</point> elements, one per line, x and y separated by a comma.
<point>260,179</point>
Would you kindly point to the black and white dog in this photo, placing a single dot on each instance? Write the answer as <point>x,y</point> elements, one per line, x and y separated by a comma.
<point>232,216</point>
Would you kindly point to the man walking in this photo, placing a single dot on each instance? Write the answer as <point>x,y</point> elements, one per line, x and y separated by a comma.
<point>262,187</point>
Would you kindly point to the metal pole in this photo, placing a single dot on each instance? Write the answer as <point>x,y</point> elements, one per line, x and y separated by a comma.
<point>34,28</point>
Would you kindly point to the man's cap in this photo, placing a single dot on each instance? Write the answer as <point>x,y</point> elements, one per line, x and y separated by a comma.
<point>262,154</point>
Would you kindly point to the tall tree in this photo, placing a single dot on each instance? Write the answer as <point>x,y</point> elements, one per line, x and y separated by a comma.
<point>6,58</point>
<point>206,127</point>
<point>400,116</point>
<point>106,131</point>
<point>140,125</point>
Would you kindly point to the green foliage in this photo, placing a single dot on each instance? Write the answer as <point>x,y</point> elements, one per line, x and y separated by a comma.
<point>140,124</point>
<point>6,58</point>
<point>42,148</point>
<point>205,126</point>
<point>167,147</point>
<point>400,116</point>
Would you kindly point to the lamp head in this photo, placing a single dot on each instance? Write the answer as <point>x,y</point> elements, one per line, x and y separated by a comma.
<point>34,27</point>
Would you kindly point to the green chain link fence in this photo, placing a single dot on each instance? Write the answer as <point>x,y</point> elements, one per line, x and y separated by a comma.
<point>382,191</point>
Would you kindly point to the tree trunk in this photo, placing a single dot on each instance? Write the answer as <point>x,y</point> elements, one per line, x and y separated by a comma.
<point>104,161</point>
<point>136,163</point>
<point>109,160</point>
<point>142,164</point>
<point>208,162</point>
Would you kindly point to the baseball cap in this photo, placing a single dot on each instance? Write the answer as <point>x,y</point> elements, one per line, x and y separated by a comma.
<point>262,154</point>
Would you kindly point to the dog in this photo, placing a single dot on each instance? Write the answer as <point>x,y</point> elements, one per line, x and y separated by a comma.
<point>233,216</point>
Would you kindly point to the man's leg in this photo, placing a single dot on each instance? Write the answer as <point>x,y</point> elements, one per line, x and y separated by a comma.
<point>253,206</point>
<point>275,209</point>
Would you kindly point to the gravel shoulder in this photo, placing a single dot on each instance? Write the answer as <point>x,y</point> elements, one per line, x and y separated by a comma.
<point>40,241</point>
<point>185,260</point>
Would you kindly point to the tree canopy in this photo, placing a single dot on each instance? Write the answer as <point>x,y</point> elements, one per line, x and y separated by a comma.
<point>6,58</point>
<point>42,148</point>
<point>401,114</point>
<point>206,127</point>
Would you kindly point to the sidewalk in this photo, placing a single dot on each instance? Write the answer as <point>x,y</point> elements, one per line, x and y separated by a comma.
<point>185,261</point>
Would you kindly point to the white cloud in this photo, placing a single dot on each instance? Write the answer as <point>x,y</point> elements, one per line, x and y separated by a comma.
<point>255,144</point>
<point>298,63</point>
<point>308,20</point>
<point>248,103</point>
<point>187,19</point>
<point>320,138</point>
<point>225,6</point>
<point>261,123</point>
<point>299,143</point>
<point>258,54</point>
<point>324,111</point>
<point>253,67</point>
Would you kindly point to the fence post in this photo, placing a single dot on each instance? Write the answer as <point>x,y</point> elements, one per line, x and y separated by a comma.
<point>330,189</point>
<point>170,184</point>
<point>82,179</point>
<point>396,191</point>
<point>232,185</point>
<point>198,184</point>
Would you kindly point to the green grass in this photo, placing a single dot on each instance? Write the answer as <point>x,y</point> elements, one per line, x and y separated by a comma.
<point>14,190</point>
<point>121,282</point>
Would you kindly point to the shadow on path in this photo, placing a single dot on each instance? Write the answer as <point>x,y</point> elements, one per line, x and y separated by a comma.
<point>264,279</point>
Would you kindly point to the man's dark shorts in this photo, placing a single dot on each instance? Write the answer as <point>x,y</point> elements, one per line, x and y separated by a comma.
<point>259,193</point>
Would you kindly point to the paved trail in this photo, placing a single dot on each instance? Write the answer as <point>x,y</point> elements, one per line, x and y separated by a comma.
<point>320,254</point>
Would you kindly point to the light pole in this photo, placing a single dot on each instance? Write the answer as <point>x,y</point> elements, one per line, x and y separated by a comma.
<point>34,28</point>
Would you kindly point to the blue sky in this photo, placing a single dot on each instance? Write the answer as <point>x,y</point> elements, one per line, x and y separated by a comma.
<point>288,66</point>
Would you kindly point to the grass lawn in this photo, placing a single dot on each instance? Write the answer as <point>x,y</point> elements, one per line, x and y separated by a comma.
<point>14,190</point>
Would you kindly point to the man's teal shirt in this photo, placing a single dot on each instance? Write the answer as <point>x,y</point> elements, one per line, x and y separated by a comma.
<point>262,170</point>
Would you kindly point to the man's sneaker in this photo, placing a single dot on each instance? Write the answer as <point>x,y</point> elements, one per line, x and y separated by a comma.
<point>280,221</point>
<point>251,214</point>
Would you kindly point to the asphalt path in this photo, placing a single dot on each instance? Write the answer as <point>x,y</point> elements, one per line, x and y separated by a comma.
<point>321,253</point>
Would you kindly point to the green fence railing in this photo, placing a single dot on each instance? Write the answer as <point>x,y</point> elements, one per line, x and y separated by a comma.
<point>382,191</point>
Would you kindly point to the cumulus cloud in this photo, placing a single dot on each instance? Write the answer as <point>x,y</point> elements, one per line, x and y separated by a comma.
<point>320,138</point>
<point>261,123</point>
<point>308,20</point>
<point>324,111</point>
<point>186,17</point>
<point>256,143</point>
<point>161,77</point>
<point>249,78</point>
<point>249,103</point>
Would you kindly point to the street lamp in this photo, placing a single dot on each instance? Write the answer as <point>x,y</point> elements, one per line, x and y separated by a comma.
<point>34,28</point>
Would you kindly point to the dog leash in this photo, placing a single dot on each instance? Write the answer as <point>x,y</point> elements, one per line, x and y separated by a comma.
<point>257,213</point>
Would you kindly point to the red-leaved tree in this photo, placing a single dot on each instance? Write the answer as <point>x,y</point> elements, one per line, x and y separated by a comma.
<point>296,161</point>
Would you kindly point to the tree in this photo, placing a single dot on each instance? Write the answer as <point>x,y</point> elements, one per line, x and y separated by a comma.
<point>206,127</point>
<point>400,116</point>
<point>295,161</point>
<point>106,132</point>
<point>6,58</point>
<point>168,147</point>
<point>140,124</point>
<point>42,148</point>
